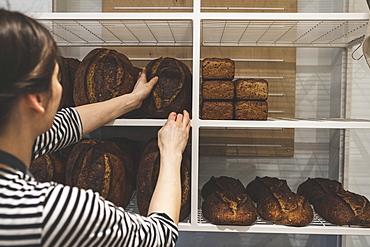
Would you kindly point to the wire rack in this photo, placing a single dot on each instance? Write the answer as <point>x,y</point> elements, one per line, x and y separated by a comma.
<point>120,32</point>
<point>317,226</point>
<point>282,33</point>
<point>227,29</point>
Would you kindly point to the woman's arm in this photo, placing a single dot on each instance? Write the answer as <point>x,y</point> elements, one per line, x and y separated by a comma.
<point>96,115</point>
<point>172,140</point>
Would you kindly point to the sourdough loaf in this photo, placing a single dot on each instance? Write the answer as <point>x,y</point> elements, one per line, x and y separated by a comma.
<point>227,207</point>
<point>172,92</point>
<point>48,167</point>
<point>335,204</point>
<point>98,165</point>
<point>103,74</point>
<point>218,69</point>
<point>226,202</point>
<point>278,204</point>
<point>148,170</point>
<point>51,167</point>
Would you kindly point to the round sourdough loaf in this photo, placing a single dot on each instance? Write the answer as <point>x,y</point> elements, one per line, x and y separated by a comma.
<point>278,204</point>
<point>100,166</point>
<point>227,207</point>
<point>335,204</point>
<point>172,92</point>
<point>147,176</point>
<point>103,74</point>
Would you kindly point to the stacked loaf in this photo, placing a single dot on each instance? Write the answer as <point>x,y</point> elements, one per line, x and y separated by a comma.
<point>147,175</point>
<point>251,99</point>
<point>217,88</point>
<point>278,204</point>
<point>226,202</point>
<point>223,98</point>
<point>335,204</point>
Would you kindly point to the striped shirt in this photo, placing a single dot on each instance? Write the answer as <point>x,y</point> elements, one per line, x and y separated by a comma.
<point>51,214</point>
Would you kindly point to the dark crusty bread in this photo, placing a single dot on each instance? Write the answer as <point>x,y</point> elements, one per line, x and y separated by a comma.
<point>278,204</point>
<point>335,204</point>
<point>251,89</point>
<point>222,183</point>
<point>172,92</point>
<point>217,110</point>
<point>227,207</point>
<point>98,165</point>
<point>264,187</point>
<point>51,167</point>
<point>251,110</point>
<point>67,72</point>
<point>316,188</point>
<point>103,74</point>
<point>130,155</point>
<point>218,69</point>
<point>148,170</point>
<point>286,208</point>
<point>48,167</point>
<point>218,89</point>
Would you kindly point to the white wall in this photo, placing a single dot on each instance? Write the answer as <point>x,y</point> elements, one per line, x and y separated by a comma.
<point>27,6</point>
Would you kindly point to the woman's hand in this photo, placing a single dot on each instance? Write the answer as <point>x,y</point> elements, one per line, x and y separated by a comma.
<point>173,136</point>
<point>143,88</point>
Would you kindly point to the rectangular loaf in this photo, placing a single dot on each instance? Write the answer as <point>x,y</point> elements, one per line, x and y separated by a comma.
<point>218,89</point>
<point>251,89</point>
<point>218,69</point>
<point>251,110</point>
<point>217,110</point>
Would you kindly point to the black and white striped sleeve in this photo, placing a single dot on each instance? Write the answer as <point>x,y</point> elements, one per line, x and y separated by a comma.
<point>74,217</point>
<point>66,129</point>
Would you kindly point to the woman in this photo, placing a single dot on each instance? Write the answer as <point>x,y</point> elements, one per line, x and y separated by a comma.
<point>50,214</point>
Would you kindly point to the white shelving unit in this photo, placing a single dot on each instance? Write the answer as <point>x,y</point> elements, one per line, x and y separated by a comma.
<point>196,29</point>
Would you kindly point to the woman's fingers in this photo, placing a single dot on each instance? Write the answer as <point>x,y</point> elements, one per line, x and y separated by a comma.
<point>172,116</point>
<point>179,118</point>
<point>186,120</point>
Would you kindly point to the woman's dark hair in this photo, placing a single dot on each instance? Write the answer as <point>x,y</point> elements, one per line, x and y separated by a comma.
<point>28,56</point>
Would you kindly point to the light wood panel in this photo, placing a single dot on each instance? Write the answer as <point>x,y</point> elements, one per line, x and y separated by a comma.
<point>281,5</point>
<point>151,53</point>
<point>246,142</point>
<point>108,5</point>
<point>207,5</point>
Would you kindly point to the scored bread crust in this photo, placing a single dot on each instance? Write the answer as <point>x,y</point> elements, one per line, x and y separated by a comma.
<point>103,74</point>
